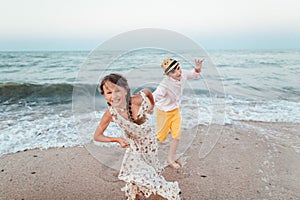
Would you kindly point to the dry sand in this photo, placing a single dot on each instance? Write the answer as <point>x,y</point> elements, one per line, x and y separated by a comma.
<point>244,164</point>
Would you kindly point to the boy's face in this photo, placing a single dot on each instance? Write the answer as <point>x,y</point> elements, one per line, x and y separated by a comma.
<point>175,73</point>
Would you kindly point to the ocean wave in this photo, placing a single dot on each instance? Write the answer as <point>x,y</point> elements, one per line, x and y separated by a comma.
<point>52,93</point>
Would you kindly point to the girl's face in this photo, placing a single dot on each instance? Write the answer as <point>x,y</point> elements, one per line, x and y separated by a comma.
<point>115,95</point>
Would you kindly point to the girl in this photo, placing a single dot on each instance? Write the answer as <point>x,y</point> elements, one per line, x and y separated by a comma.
<point>140,168</point>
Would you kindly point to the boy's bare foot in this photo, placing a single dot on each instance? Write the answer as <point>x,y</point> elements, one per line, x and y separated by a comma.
<point>180,162</point>
<point>174,165</point>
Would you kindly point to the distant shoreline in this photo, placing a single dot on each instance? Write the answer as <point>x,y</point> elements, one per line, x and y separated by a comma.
<point>90,50</point>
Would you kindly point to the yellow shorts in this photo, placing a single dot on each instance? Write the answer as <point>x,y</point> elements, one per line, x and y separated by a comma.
<point>168,121</point>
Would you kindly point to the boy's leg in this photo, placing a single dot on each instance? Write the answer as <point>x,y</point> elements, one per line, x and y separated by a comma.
<point>176,136</point>
<point>163,125</point>
<point>172,152</point>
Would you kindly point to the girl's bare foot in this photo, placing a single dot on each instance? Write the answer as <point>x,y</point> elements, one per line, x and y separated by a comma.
<point>139,197</point>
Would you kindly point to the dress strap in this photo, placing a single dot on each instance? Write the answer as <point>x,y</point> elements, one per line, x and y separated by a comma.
<point>145,104</point>
<point>143,95</point>
<point>113,112</point>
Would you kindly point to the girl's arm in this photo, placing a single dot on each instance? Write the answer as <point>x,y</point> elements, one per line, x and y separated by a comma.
<point>103,124</point>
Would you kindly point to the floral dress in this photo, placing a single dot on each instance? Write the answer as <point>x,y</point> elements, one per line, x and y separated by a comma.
<point>141,169</point>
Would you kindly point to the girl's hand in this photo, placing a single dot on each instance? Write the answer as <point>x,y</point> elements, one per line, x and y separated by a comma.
<point>150,110</point>
<point>123,143</point>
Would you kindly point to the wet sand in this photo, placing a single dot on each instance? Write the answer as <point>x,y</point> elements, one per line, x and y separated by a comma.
<point>251,160</point>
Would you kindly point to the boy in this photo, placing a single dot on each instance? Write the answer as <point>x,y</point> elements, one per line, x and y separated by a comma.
<point>168,97</point>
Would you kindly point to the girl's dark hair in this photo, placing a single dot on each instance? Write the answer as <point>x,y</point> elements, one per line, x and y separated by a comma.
<point>121,81</point>
<point>117,79</point>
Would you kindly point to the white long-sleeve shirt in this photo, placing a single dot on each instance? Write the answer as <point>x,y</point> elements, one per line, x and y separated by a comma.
<point>169,92</point>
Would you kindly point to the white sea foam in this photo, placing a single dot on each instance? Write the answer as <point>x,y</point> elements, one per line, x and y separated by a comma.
<point>46,127</point>
<point>262,110</point>
<point>36,129</point>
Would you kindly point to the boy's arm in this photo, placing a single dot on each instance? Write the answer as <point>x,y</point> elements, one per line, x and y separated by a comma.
<point>197,69</point>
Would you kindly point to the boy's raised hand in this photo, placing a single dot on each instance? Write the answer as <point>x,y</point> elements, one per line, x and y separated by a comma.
<point>198,63</point>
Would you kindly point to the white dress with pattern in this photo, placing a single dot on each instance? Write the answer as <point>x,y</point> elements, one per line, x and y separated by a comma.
<point>141,169</point>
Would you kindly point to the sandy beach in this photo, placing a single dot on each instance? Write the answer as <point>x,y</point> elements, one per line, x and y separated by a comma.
<point>244,164</point>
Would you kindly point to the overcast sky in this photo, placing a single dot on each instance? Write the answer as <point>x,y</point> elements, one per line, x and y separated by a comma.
<point>84,24</point>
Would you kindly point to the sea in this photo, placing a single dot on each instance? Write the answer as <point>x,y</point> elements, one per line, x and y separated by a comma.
<point>50,98</point>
